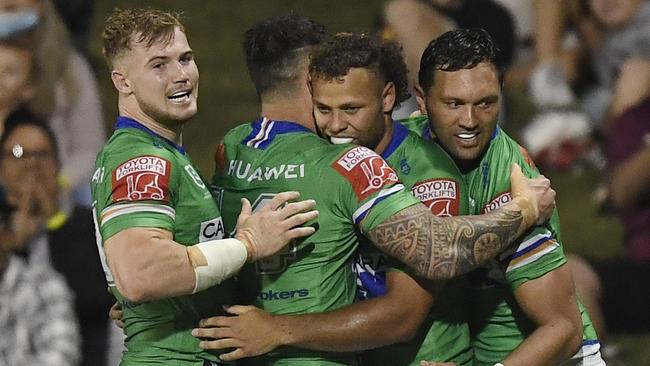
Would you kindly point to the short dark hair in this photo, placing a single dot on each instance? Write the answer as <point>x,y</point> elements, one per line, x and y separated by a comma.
<point>147,24</point>
<point>337,56</point>
<point>455,50</point>
<point>24,117</point>
<point>276,47</point>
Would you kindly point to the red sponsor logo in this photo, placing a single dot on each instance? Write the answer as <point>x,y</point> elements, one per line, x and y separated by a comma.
<point>142,178</point>
<point>366,170</point>
<point>527,157</point>
<point>220,158</point>
<point>440,195</point>
<point>497,202</point>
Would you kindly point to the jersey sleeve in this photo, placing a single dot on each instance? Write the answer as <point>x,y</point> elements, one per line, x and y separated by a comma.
<point>136,190</point>
<point>372,191</point>
<point>540,251</point>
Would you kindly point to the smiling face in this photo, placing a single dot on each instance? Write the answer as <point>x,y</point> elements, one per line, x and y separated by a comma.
<point>159,82</point>
<point>463,108</point>
<point>354,108</point>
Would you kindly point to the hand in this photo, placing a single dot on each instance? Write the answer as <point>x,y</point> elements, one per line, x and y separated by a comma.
<point>433,363</point>
<point>268,230</point>
<point>251,332</point>
<point>115,313</point>
<point>541,186</point>
<point>530,195</point>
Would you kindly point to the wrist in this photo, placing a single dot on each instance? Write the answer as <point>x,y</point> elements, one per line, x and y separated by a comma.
<point>215,261</point>
<point>246,239</point>
<point>527,210</point>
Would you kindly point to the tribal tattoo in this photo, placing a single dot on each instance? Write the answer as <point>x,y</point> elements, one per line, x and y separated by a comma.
<point>445,247</point>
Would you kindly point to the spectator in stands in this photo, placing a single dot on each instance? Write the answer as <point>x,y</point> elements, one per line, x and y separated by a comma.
<point>37,321</point>
<point>49,231</point>
<point>65,94</point>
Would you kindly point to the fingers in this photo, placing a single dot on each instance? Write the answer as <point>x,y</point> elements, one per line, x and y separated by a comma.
<point>299,219</point>
<point>234,355</point>
<point>238,309</point>
<point>518,182</point>
<point>215,321</point>
<point>246,209</point>
<point>212,333</point>
<point>280,199</point>
<point>219,344</point>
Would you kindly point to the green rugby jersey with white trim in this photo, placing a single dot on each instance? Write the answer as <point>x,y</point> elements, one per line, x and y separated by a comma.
<point>432,177</point>
<point>144,180</point>
<point>354,190</point>
<point>498,323</point>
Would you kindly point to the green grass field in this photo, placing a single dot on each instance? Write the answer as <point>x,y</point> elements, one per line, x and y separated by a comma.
<point>215,31</point>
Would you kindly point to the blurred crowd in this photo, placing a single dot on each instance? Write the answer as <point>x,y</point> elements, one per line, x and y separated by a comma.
<point>582,65</point>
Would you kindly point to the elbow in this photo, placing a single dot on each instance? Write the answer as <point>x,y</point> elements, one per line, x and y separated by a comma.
<point>573,338</point>
<point>407,329</point>
<point>133,292</point>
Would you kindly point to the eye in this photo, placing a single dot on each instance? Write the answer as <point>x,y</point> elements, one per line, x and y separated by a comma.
<point>351,110</point>
<point>322,110</point>
<point>157,65</point>
<point>186,59</point>
<point>485,104</point>
<point>453,104</point>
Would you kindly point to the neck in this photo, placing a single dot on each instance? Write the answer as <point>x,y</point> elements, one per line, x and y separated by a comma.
<point>169,133</point>
<point>295,107</point>
<point>388,135</point>
<point>289,112</point>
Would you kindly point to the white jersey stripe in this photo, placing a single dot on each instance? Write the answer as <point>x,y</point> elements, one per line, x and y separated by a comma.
<point>552,245</point>
<point>361,211</point>
<point>260,134</point>
<point>118,210</point>
<point>266,135</point>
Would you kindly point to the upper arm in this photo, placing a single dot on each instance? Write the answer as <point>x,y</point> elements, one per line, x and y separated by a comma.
<point>549,298</point>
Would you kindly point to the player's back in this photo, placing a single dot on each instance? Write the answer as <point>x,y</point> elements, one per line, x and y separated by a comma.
<point>311,275</point>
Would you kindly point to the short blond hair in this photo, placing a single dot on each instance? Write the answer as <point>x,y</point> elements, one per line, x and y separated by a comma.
<point>142,25</point>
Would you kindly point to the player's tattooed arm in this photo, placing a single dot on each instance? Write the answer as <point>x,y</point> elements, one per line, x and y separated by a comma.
<point>439,248</point>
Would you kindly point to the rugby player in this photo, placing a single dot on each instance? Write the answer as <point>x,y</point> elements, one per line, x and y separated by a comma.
<point>159,230</point>
<point>356,190</point>
<point>524,308</point>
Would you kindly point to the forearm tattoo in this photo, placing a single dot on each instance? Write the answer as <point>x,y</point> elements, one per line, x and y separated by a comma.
<point>445,247</point>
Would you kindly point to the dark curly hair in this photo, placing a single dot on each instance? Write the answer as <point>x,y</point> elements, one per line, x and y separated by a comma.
<point>455,50</point>
<point>276,47</point>
<point>334,58</point>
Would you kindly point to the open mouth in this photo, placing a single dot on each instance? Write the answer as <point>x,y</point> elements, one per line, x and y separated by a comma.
<point>341,140</point>
<point>467,135</point>
<point>180,97</point>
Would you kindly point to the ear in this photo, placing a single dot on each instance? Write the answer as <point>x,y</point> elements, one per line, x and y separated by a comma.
<point>421,99</point>
<point>122,84</point>
<point>388,97</point>
<point>311,91</point>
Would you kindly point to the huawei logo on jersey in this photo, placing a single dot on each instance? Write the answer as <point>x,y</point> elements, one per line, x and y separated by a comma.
<point>366,170</point>
<point>498,201</point>
<point>440,195</point>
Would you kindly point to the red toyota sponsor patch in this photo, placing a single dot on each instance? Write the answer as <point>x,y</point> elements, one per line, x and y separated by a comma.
<point>527,157</point>
<point>366,170</point>
<point>497,202</point>
<point>142,178</point>
<point>440,195</point>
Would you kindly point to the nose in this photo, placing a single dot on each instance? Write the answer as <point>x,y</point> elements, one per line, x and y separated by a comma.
<point>338,122</point>
<point>468,118</point>
<point>180,74</point>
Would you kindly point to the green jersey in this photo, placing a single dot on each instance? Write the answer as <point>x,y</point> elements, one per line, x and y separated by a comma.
<point>498,324</point>
<point>143,180</point>
<point>434,179</point>
<point>354,190</point>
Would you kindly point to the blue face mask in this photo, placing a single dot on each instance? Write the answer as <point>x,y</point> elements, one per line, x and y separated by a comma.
<point>12,23</point>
